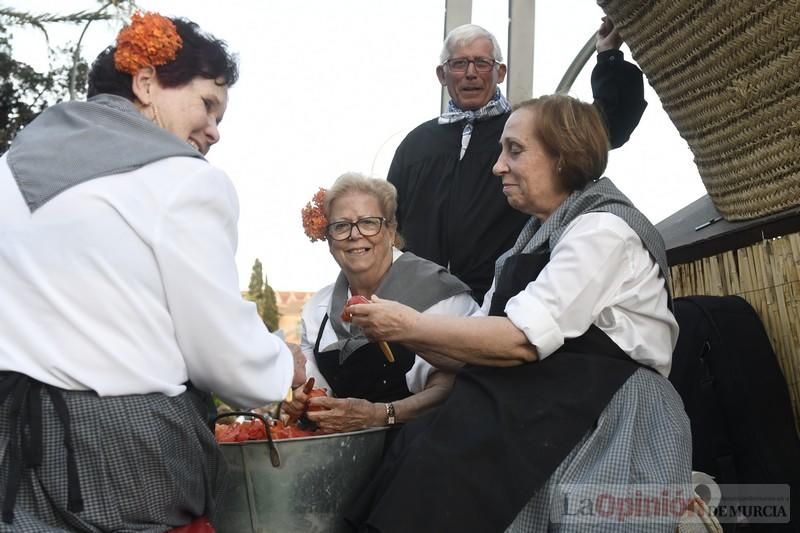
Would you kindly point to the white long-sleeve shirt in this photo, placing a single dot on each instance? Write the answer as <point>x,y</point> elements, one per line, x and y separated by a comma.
<point>599,273</point>
<point>127,284</point>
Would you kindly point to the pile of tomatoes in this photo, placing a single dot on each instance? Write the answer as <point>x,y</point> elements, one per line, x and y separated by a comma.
<point>254,429</point>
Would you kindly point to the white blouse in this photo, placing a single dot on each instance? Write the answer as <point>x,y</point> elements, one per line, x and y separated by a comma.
<point>599,273</point>
<point>127,284</point>
<point>315,309</point>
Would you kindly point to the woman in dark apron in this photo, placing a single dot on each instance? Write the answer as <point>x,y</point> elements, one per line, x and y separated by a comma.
<point>563,401</point>
<point>366,389</point>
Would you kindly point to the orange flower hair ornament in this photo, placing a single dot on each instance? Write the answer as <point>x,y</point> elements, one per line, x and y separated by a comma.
<point>150,40</point>
<point>314,221</point>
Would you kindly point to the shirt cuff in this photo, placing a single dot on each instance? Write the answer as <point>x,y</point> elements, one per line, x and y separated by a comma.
<point>531,317</point>
<point>610,56</point>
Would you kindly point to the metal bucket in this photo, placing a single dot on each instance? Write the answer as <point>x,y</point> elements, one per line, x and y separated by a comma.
<point>315,481</point>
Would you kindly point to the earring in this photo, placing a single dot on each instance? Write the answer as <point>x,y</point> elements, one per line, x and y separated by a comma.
<point>156,118</point>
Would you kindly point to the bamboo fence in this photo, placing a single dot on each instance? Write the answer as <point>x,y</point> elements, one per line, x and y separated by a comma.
<point>767,275</point>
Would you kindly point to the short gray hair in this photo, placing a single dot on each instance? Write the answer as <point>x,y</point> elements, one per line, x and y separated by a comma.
<point>382,190</point>
<point>466,34</point>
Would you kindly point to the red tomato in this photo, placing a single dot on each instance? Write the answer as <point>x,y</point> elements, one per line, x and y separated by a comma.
<point>357,299</point>
<point>279,431</point>
<point>254,430</point>
<point>227,433</point>
<point>316,393</point>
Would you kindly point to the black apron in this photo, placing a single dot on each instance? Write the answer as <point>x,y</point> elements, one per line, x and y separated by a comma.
<point>366,373</point>
<point>472,465</point>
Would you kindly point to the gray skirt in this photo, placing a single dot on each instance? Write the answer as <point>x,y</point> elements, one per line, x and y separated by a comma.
<point>146,463</point>
<point>642,439</point>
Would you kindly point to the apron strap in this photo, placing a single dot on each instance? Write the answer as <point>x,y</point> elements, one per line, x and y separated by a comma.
<point>319,334</point>
<point>26,410</point>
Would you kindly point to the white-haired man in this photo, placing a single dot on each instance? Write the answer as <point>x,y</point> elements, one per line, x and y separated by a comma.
<point>451,209</point>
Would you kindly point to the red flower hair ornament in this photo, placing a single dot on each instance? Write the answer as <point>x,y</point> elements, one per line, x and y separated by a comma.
<point>150,40</point>
<point>314,221</point>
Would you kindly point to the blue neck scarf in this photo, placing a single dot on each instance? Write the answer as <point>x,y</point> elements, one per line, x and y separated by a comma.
<point>498,105</point>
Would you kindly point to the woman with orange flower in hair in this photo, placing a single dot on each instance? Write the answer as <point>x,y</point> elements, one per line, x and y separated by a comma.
<point>371,385</point>
<point>121,305</point>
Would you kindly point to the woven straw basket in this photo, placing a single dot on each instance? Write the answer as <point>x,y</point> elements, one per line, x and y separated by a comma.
<point>728,75</point>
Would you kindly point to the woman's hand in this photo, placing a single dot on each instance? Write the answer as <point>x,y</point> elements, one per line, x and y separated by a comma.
<point>346,414</point>
<point>384,320</point>
<point>299,364</point>
<point>299,403</point>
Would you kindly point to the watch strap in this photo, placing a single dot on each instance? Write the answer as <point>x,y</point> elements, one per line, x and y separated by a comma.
<point>391,419</point>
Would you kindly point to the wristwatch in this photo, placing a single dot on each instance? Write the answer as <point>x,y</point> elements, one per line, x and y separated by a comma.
<point>391,419</point>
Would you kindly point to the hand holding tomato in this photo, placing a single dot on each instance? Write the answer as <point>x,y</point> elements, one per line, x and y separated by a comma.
<point>347,317</point>
<point>353,300</point>
<point>300,397</point>
<point>386,319</point>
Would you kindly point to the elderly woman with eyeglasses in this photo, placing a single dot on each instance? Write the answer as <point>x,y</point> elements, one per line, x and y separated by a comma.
<point>366,389</point>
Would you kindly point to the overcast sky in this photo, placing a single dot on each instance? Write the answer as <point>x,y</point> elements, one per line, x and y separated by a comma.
<point>328,87</point>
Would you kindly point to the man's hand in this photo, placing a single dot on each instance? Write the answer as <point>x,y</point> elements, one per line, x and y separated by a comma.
<point>608,38</point>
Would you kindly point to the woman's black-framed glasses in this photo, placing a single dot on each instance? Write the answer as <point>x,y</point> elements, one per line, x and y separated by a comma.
<point>367,226</point>
<point>461,64</point>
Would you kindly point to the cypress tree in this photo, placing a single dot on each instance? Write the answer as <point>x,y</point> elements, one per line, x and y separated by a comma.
<point>270,314</point>
<point>260,292</point>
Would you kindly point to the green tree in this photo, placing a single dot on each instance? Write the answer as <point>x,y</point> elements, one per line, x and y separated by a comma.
<point>23,91</point>
<point>260,292</point>
<point>26,92</point>
<point>255,291</point>
<point>270,313</point>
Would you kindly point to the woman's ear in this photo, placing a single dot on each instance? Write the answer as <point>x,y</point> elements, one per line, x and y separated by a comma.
<point>142,84</point>
<point>395,236</point>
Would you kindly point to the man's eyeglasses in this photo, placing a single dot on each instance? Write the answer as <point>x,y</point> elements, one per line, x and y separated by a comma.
<point>367,226</point>
<point>461,64</point>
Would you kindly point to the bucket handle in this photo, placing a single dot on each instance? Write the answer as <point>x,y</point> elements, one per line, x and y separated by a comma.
<point>274,456</point>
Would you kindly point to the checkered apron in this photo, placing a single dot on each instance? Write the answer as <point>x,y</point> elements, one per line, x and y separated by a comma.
<point>642,437</point>
<point>145,463</point>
